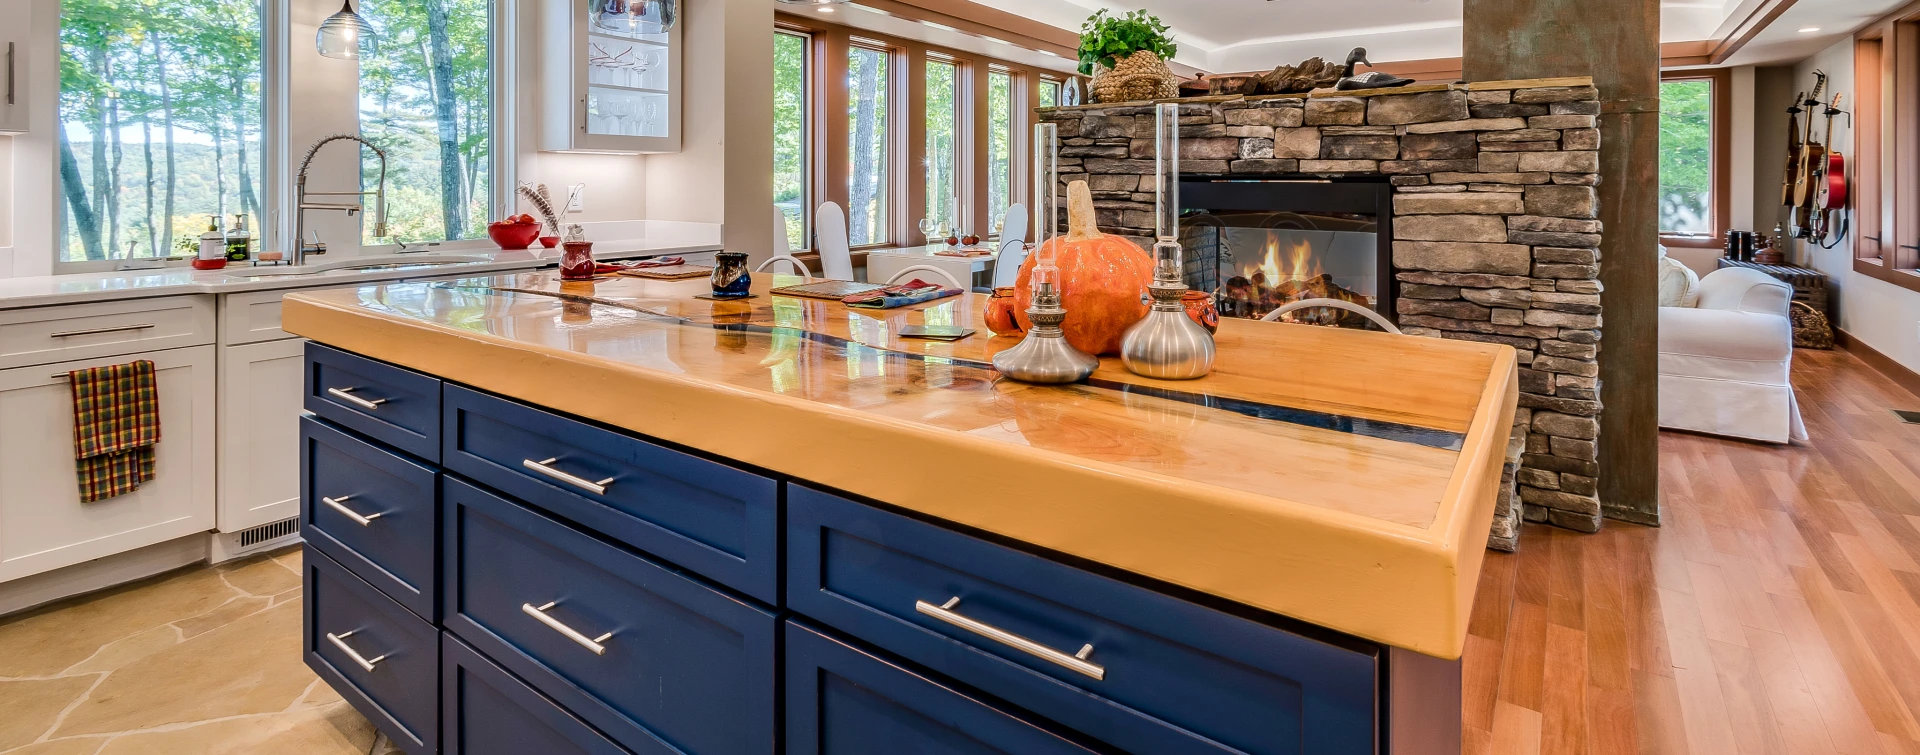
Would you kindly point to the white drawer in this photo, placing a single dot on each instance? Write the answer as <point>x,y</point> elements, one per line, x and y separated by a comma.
<point>44,335</point>
<point>251,317</point>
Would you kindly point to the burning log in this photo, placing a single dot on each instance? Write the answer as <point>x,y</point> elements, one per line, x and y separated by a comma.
<point>1254,297</point>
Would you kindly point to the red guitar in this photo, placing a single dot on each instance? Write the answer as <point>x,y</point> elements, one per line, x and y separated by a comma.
<point>1832,194</point>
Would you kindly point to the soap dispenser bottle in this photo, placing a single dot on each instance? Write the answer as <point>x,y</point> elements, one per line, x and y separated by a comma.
<point>239,243</point>
<point>212,254</point>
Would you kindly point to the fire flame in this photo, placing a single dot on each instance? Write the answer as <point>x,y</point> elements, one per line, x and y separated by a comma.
<point>1303,264</point>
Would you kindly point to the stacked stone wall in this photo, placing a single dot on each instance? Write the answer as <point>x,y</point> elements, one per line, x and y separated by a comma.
<point>1495,230</point>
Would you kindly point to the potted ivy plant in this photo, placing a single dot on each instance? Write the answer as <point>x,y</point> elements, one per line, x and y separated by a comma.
<point>1127,57</point>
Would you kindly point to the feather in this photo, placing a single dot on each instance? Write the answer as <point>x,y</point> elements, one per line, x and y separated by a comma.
<point>537,196</point>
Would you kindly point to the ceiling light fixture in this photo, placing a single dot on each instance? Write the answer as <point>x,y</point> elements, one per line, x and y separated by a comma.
<point>1809,29</point>
<point>825,9</point>
<point>341,34</point>
<point>818,3</point>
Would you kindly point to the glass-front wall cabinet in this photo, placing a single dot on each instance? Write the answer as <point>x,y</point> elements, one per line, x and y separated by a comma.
<point>611,76</point>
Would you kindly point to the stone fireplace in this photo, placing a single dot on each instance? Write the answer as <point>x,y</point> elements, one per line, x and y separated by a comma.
<point>1484,230</point>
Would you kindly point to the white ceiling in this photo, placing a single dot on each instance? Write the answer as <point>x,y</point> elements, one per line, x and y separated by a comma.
<point>1247,35</point>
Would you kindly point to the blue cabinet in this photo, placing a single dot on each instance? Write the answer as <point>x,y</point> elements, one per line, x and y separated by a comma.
<point>845,701</point>
<point>648,655</point>
<point>710,518</point>
<point>393,405</point>
<point>374,511</point>
<point>382,658</point>
<point>1121,663</point>
<point>487,577</point>
<point>486,711</point>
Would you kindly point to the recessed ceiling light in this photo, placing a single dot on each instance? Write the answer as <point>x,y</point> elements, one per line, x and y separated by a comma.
<point>1809,29</point>
<point>826,9</point>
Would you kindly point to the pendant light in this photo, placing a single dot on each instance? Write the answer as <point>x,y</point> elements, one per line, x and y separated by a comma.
<point>342,33</point>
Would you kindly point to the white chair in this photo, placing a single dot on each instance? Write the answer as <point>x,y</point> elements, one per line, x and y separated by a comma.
<point>907,273</point>
<point>1726,362</point>
<point>1006,264</point>
<point>787,259</point>
<point>1013,224</point>
<point>781,248</point>
<point>830,235</point>
<point>1383,322</point>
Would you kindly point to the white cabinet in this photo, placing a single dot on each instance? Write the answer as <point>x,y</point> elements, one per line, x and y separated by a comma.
<point>13,68</point>
<point>43,335</point>
<point>251,317</point>
<point>604,85</point>
<point>43,524</point>
<point>260,433</point>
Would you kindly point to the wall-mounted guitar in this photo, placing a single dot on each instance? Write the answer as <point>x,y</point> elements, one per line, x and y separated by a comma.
<point>1806,162</point>
<point>1830,218</point>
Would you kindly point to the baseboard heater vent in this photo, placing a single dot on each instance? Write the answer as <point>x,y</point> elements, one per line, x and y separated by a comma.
<point>231,545</point>
<point>1911,418</point>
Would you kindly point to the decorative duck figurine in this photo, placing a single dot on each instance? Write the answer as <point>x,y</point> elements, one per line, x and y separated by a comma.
<point>1368,80</point>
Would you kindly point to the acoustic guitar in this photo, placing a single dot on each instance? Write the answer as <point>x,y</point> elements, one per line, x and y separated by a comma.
<point>1812,154</point>
<point>1793,150</point>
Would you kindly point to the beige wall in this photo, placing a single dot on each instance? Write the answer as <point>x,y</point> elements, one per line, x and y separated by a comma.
<point>724,171</point>
<point>1879,314</point>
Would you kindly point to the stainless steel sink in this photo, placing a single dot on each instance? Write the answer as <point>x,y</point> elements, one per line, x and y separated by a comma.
<point>366,264</point>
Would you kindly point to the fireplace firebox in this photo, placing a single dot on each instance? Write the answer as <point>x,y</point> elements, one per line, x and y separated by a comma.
<point>1257,245</point>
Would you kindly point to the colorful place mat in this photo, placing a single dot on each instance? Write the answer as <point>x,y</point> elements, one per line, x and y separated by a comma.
<point>835,290</point>
<point>670,273</point>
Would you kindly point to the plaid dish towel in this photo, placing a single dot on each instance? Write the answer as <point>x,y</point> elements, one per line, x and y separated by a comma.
<point>116,422</point>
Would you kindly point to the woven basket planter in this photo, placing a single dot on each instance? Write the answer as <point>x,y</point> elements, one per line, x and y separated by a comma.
<point>1140,76</point>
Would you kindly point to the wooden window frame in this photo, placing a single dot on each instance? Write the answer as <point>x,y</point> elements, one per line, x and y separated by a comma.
<point>808,107</point>
<point>1885,185</point>
<point>1720,205</point>
<point>828,135</point>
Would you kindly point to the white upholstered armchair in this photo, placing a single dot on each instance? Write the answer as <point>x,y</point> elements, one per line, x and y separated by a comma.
<point>1725,362</point>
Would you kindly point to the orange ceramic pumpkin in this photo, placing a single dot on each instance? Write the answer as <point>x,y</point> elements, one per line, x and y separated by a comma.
<point>1102,279</point>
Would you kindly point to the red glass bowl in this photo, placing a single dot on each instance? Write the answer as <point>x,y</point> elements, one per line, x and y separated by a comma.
<point>513,235</point>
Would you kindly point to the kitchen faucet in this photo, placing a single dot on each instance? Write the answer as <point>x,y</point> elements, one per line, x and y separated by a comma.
<point>301,205</point>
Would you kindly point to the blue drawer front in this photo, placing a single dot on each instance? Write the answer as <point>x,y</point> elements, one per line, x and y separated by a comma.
<point>486,711</point>
<point>707,517</point>
<point>396,549</point>
<point>406,404</point>
<point>1178,678</point>
<point>842,701</point>
<point>687,668</point>
<point>401,694</point>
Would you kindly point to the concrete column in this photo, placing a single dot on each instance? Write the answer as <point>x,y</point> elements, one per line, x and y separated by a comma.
<point>1617,42</point>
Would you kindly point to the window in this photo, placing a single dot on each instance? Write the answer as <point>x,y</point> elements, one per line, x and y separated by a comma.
<point>999,147</point>
<point>1686,157</point>
<point>426,97</point>
<point>867,134</point>
<point>790,135</point>
<point>160,125</point>
<point>943,186</point>
<point>1049,93</point>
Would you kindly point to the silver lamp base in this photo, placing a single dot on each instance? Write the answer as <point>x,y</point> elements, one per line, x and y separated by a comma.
<point>1167,344</point>
<point>1044,356</point>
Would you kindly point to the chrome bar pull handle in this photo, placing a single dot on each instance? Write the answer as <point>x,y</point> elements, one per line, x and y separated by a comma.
<point>596,488</point>
<point>1077,661</point>
<point>340,641</point>
<point>346,394</point>
<point>10,73</point>
<point>540,614</point>
<point>98,331</point>
<point>336,505</point>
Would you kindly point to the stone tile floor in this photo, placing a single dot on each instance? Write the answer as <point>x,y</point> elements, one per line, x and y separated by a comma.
<point>202,661</point>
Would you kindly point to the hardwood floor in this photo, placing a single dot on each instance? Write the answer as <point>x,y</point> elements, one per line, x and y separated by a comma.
<point>1777,611</point>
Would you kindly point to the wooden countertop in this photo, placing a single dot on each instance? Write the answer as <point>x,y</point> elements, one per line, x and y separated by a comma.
<point>1339,477</point>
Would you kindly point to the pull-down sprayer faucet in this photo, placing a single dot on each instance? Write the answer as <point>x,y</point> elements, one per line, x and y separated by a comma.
<point>301,205</point>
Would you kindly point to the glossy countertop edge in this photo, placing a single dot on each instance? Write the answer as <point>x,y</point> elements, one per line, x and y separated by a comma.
<point>43,290</point>
<point>1399,585</point>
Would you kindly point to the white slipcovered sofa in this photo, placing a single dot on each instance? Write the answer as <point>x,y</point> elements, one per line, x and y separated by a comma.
<point>1725,362</point>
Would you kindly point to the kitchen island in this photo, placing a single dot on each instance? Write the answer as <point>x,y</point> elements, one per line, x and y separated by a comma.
<point>641,520</point>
